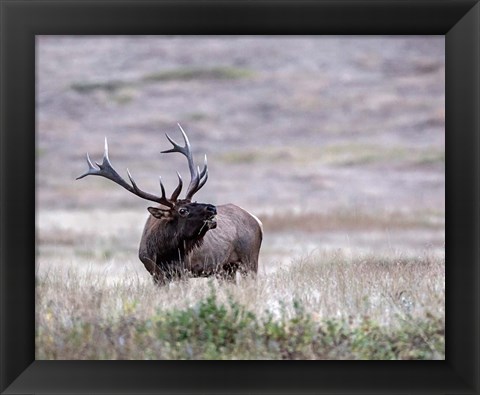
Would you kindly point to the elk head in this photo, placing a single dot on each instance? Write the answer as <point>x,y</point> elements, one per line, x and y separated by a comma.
<point>189,219</point>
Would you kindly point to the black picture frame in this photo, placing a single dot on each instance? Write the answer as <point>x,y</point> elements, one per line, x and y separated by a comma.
<point>21,20</point>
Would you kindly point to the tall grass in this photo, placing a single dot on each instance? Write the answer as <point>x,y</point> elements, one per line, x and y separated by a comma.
<point>320,307</point>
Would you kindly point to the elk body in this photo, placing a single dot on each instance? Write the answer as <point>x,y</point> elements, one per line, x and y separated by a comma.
<point>185,237</point>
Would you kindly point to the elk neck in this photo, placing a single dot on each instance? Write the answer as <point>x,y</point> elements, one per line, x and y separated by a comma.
<point>169,247</point>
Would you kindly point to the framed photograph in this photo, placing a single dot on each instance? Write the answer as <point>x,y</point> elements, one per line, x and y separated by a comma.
<point>327,127</point>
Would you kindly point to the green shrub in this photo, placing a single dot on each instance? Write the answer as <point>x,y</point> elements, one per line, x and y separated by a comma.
<point>187,74</point>
<point>214,330</point>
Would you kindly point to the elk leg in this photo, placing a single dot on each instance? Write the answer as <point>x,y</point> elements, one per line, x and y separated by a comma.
<point>229,272</point>
<point>248,269</point>
<point>154,270</point>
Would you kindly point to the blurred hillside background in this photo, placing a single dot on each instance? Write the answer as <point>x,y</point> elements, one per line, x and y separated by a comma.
<point>334,142</point>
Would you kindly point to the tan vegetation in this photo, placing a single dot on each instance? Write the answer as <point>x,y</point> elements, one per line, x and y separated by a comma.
<point>86,315</point>
<point>96,301</point>
<point>351,220</point>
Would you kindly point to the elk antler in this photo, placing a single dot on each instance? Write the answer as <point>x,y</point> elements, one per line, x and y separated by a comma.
<point>105,169</point>
<point>198,179</point>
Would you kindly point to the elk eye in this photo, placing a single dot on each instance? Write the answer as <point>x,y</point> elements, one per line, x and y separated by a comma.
<point>183,211</point>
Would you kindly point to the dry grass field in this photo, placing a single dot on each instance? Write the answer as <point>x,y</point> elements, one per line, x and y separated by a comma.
<point>336,143</point>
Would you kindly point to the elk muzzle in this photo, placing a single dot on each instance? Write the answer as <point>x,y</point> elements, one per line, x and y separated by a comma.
<point>211,219</point>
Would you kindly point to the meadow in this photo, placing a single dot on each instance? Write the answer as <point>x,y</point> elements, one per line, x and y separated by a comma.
<point>336,143</point>
<point>322,307</point>
<point>96,301</point>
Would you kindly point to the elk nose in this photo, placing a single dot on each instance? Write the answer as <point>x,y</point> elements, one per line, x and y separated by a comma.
<point>211,209</point>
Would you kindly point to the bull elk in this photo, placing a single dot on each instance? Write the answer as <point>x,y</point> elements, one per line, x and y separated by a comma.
<point>183,236</point>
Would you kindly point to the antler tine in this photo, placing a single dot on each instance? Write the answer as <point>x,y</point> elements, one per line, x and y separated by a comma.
<point>193,187</point>
<point>105,169</point>
<point>92,170</point>
<point>197,178</point>
<point>200,180</point>
<point>178,189</point>
<point>186,150</point>
<point>205,167</point>
<point>162,187</point>
<point>204,174</point>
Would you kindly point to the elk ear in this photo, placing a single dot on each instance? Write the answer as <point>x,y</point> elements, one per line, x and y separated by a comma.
<point>158,212</point>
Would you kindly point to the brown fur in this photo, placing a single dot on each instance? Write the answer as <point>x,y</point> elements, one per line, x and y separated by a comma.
<point>232,246</point>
